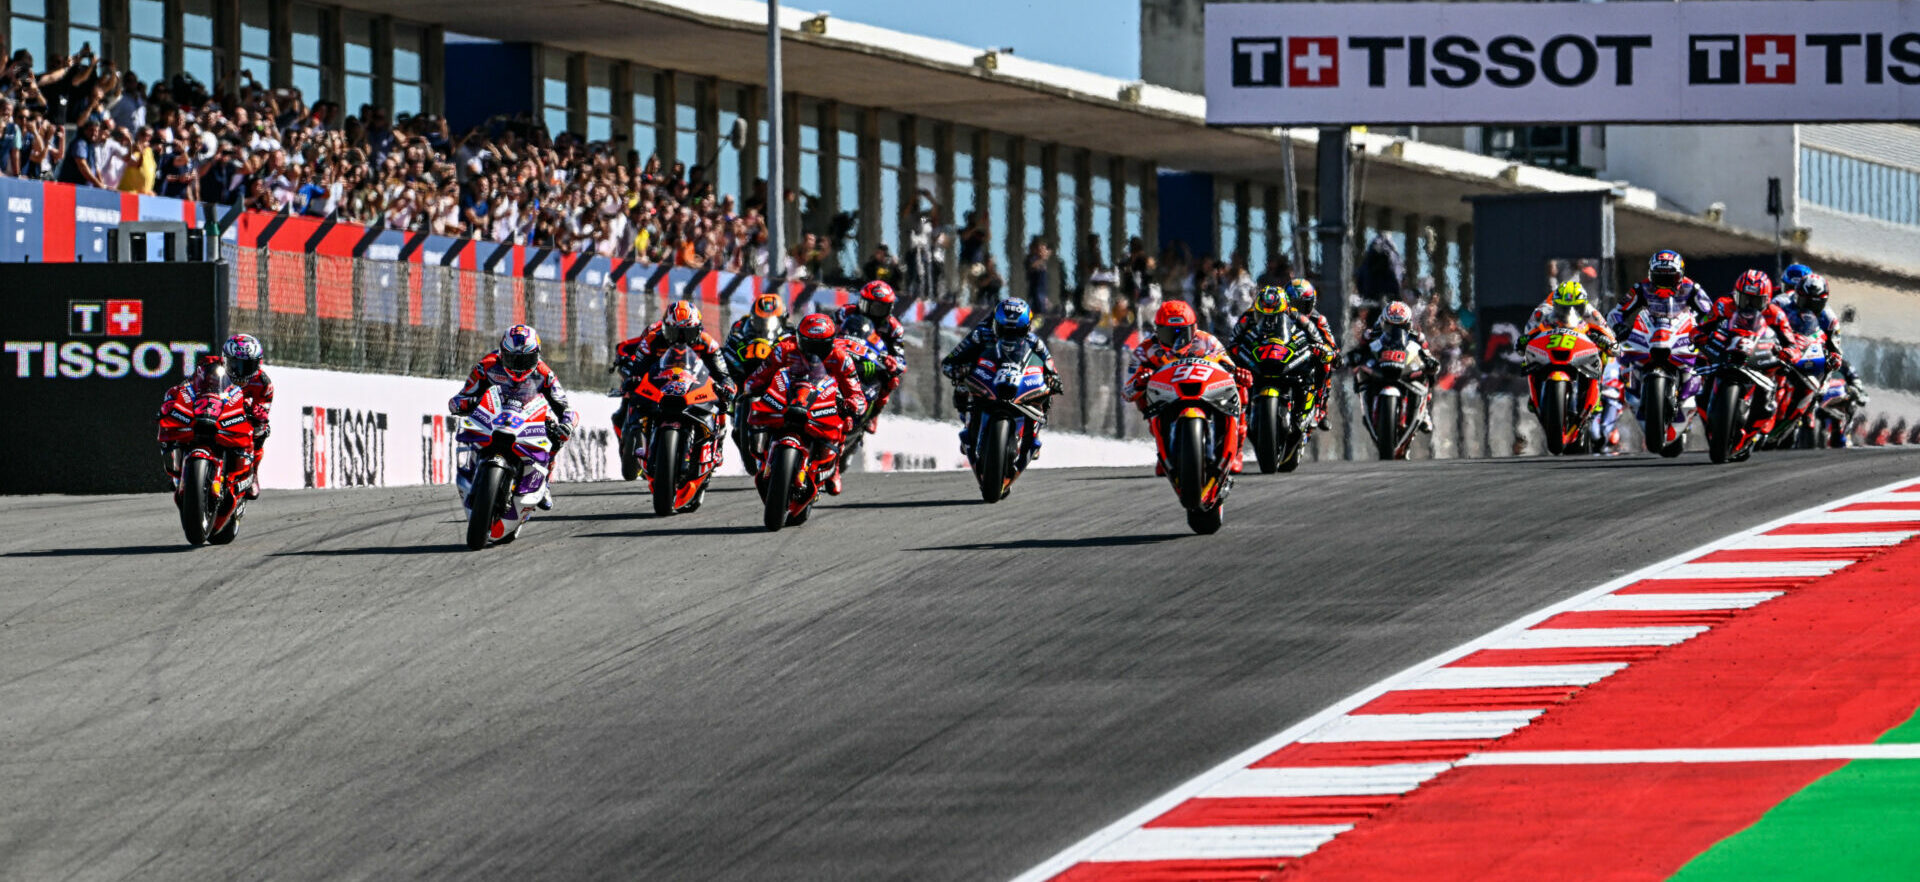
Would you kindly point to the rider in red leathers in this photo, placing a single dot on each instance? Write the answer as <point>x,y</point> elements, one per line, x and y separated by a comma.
<point>241,356</point>
<point>876,302</point>
<point>1176,336</point>
<point>815,343</point>
<point>1749,307</point>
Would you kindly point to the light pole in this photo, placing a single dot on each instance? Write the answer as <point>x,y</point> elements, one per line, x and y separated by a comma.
<point>776,191</point>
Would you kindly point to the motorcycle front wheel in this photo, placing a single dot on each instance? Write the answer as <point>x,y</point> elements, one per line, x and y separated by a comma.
<point>1553,415</point>
<point>1656,400</point>
<point>994,459</point>
<point>629,459</point>
<point>1206,523</point>
<point>663,473</point>
<point>1188,452</point>
<point>1723,421</point>
<point>1264,427</point>
<point>1386,426</point>
<point>196,500</point>
<point>484,502</point>
<point>783,463</point>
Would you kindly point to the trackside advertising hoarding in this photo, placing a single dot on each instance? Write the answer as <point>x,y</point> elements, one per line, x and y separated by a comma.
<point>1459,63</point>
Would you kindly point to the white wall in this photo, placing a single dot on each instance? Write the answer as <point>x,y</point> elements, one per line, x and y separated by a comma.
<point>1693,167</point>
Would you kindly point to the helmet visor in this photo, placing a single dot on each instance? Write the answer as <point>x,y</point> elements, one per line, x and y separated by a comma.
<point>1173,336</point>
<point>1664,277</point>
<point>242,368</point>
<point>681,335</point>
<point>519,362</point>
<point>878,310</point>
<point>818,347</point>
<point>1748,302</point>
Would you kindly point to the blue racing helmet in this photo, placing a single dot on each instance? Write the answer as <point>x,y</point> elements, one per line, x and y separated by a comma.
<point>1012,319</point>
<point>1792,276</point>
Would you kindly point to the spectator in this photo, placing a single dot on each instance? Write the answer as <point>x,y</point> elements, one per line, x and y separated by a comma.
<point>83,157</point>
<point>987,287</point>
<point>13,140</point>
<point>926,248</point>
<point>1236,290</point>
<point>1039,260</point>
<point>881,267</point>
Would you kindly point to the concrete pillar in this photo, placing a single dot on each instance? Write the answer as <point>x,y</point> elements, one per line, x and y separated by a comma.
<point>1117,235</point>
<point>576,93</point>
<point>1083,219</point>
<point>1467,300</point>
<point>433,67</point>
<point>1015,235</point>
<point>868,155</point>
<point>1417,262</point>
<point>1150,205</point>
<point>706,121</point>
<point>790,172</point>
<point>1442,259</point>
<point>667,98</point>
<point>1050,219</point>
<point>1242,217</point>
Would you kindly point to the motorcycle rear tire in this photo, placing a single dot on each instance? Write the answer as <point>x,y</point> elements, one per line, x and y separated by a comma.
<point>1386,427</point>
<point>1188,452</point>
<point>196,500</point>
<point>629,460</point>
<point>1265,429</point>
<point>663,473</point>
<point>994,458</point>
<point>484,501</point>
<point>1206,523</point>
<point>1553,415</point>
<point>784,463</point>
<point>1656,398</point>
<point>1723,421</point>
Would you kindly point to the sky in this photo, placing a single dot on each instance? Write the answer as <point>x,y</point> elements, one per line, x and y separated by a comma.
<point>1102,36</point>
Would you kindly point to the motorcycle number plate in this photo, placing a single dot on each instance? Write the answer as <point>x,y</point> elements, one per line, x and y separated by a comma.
<point>1393,355</point>
<point>1276,352</point>
<point>1192,372</point>
<point>759,349</point>
<point>1563,341</point>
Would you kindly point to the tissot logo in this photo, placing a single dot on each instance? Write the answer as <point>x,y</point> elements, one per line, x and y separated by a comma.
<point>1256,61</point>
<point>1770,58</point>
<point>104,318</point>
<point>1713,59</point>
<point>1313,62</point>
<point>1307,62</point>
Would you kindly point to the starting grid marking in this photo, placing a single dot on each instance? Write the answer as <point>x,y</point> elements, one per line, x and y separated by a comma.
<point>1181,851</point>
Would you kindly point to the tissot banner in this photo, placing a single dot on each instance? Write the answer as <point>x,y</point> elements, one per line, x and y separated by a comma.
<point>1457,63</point>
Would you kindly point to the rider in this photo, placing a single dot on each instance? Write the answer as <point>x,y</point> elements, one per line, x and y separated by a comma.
<point>1568,307</point>
<point>1667,285</point>
<point>1750,307</point>
<point>767,321</point>
<point>857,335</point>
<point>1176,335</point>
<point>815,343</point>
<point>210,375</point>
<point>1012,319</point>
<point>1806,309</point>
<point>1791,277</point>
<point>1301,298</point>
<point>1398,316</point>
<point>516,367</point>
<point>876,302</point>
<point>243,355</point>
<point>678,326</point>
<point>1263,320</point>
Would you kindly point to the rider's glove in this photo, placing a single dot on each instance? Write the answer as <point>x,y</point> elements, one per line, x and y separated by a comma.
<point>261,430</point>
<point>559,430</point>
<point>462,406</point>
<point>1054,386</point>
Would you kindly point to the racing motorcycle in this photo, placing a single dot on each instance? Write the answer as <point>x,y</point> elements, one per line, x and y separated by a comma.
<point>801,414</point>
<point>1283,390</point>
<point>1194,410</point>
<point>1741,372</point>
<point>208,437</point>
<point>1660,350</point>
<point>677,413</point>
<point>1837,413</point>
<point>1395,401</point>
<point>742,360</point>
<point>1008,383</point>
<point>506,478</point>
<point>870,355</point>
<point>1564,369</point>
<point>1803,382</point>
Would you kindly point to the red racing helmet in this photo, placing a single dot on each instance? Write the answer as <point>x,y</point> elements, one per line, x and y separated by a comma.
<point>876,301</point>
<point>816,334</point>
<point>1173,325</point>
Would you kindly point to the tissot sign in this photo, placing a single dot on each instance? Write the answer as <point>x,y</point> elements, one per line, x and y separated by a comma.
<point>1767,61</point>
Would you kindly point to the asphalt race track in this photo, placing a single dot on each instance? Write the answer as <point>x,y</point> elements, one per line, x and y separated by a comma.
<point>911,686</point>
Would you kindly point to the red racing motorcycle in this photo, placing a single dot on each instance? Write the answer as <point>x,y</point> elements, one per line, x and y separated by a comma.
<point>1194,409</point>
<point>801,416</point>
<point>211,443</point>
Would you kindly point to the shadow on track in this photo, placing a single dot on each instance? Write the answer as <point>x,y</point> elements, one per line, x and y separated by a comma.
<point>734,530</point>
<point>910,503</point>
<point>97,552</point>
<point>1089,542</point>
<point>373,549</point>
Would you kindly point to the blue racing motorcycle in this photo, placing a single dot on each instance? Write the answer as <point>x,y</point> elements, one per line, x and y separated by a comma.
<point>1008,385</point>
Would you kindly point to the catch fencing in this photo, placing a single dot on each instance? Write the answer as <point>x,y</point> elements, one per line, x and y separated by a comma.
<point>432,320</point>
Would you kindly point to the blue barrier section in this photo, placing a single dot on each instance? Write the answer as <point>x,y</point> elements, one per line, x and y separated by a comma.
<point>21,227</point>
<point>94,213</point>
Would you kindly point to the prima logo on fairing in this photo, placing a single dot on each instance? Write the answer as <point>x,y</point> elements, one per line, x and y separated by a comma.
<point>585,456</point>
<point>343,448</point>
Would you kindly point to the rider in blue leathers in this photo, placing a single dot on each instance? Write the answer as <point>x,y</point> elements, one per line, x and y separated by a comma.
<point>1807,313</point>
<point>1012,319</point>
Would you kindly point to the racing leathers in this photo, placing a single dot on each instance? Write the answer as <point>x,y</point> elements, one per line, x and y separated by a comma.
<point>488,374</point>
<point>838,364</point>
<point>1252,327</point>
<point>258,390</point>
<point>1150,356</point>
<point>1429,366</point>
<point>1823,326</point>
<point>1586,320</point>
<point>1643,294</point>
<point>1768,318</point>
<point>745,330</point>
<point>635,357</point>
<point>893,334</point>
<point>961,358</point>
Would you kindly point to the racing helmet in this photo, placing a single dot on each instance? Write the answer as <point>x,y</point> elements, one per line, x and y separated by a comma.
<point>519,351</point>
<point>681,323</point>
<point>243,354</point>
<point>1398,315</point>
<point>1666,269</point>
<point>816,335</point>
<point>209,375</point>
<point>769,306</point>
<point>1174,324</point>
<point>1791,277</point>
<point>1570,293</point>
<point>1272,300</point>
<point>1301,295</point>
<point>1752,291</point>
<point>1012,319</point>
<point>857,327</point>
<point>1812,293</point>
<point>876,301</point>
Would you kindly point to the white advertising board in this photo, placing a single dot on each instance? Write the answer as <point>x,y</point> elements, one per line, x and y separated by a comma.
<point>1514,63</point>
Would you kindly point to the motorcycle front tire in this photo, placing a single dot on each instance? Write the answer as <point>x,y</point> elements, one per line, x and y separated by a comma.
<point>782,464</point>
<point>663,473</point>
<point>1723,421</point>
<point>196,500</point>
<point>1264,426</point>
<point>994,459</point>
<point>484,502</point>
<point>1656,399</point>
<point>1386,426</point>
<point>1188,454</point>
<point>1553,415</point>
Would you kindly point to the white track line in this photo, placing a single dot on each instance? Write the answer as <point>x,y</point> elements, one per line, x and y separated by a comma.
<point>1679,602</point>
<point>1694,755</point>
<point>1421,727</point>
<point>1575,638</point>
<point>1756,570</point>
<point>1515,677</point>
<point>1218,843</point>
<point>1324,781</point>
<point>1130,823</point>
<point>1863,541</point>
